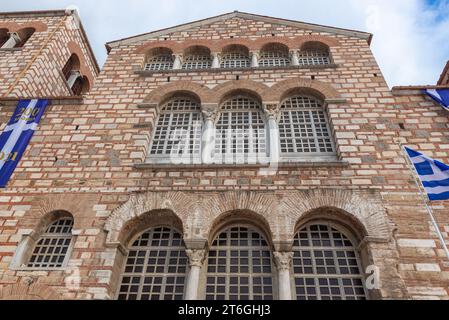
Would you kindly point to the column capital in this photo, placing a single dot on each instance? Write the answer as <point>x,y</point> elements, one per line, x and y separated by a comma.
<point>210,111</point>
<point>271,109</point>
<point>283,260</point>
<point>15,36</point>
<point>196,257</point>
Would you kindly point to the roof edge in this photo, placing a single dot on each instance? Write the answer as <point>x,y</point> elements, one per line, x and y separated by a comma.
<point>58,12</point>
<point>445,71</point>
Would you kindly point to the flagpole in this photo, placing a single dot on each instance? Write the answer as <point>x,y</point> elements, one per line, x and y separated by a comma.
<point>426,200</point>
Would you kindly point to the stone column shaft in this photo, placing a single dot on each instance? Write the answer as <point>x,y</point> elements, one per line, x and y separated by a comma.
<point>196,259</point>
<point>13,41</point>
<point>283,262</point>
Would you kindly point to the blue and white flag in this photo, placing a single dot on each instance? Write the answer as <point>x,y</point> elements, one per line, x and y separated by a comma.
<point>433,174</point>
<point>17,135</point>
<point>441,96</point>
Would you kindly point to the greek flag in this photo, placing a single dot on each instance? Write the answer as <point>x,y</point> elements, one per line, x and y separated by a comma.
<point>17,135</point>
<point>433,174</point>
<point>441,96</point>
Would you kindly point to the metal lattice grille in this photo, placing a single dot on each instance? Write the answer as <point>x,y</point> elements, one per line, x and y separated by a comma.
<point>240,130</point>
<point>308,58</point>
<point>197,62</point>
<point>239,267</point>
<point>178,130</point>
<point>156,267</point>
<point>303,127</point>
<point>235,60</point>
<point>160,62</point>
<point>52,247</point>
<point>273,59</point>
<point>326,265</point>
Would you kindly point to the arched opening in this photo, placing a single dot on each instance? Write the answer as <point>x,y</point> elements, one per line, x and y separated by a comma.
<point>159,59</point>
<point>241,135</point>
<point>3,36</point>
<point>197,57</point>
<point>178,130</point>
<point>274,55</point>
<point>24,35</point>
<point>314,53</point>
<point>235,56</point>
<point>77,82</point>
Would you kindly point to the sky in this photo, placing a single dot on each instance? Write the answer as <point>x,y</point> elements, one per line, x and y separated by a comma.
<point>411,37</point>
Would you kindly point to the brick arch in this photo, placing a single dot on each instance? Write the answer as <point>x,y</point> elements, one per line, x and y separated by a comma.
<point>158,95</point>
<point>31,292</point>
<point>169,44</point>
<point>328,41</point>
<point>239,42</point>
<point>257,88</point>
<point>14,26</point>
<point>363,214</point>
<point>281,89</point>
<point>74,48</point>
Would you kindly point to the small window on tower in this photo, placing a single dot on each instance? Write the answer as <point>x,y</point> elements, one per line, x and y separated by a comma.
<point>3,37</point>
<point>77,83</point>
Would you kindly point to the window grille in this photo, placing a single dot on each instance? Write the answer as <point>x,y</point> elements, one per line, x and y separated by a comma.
<point>197,62</point>
<point>273,59</point>
<point>326,265</point>
<point>309,58</point>
<point>239,266</point>
<point>159,62</point>
<point>304,128</point>
<point>178,130</point>
<point>240,130</point>
<point>156,267</point>
<point>52,247</point>
<point>235,60</point>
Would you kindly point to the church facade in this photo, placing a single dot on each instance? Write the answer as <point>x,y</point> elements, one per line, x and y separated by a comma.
<point>240,157</point>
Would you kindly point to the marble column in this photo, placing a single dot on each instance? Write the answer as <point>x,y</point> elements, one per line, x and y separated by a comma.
<point>12,42</point>
<point>272,111</point>
<point>177,62</point>
<point>215,60</point>
<point>196,260</point>
<point>294,57</point>
<point>283,263</point>
<point>72,78</point>
<point>210,113</point>
<point>254,59</point>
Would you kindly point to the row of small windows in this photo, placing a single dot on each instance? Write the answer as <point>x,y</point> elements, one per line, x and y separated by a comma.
<point>238,56</point>
<point>239,265</point>
<point>241,128</point>
<point>10,40</point>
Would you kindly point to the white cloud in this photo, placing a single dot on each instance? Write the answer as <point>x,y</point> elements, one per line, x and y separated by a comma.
<point>410,39</point>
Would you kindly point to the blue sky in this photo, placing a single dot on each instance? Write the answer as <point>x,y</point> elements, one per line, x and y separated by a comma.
<point>411,37</point>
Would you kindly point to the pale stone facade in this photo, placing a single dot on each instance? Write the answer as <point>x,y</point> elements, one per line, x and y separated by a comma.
<point>91,160</point>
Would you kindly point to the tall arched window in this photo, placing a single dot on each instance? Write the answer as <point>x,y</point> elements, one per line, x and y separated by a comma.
<point>159,59</point>
<point>178,131</point>
<point>239,266</point>
<point>3,36</point>
<point>241,131</point>
<point>51,250</point>
<point>314,53</point>
<point>304,128</point>
<point>326,265</point>
<point>235,56</point>
<point>156,267</point>
<point>274,55</point>
<point>24,35</point>
<point>197,57</point>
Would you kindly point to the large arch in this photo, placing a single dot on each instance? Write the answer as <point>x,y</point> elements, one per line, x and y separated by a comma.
<point>322,89</point>
<point>260,90</point>
<point>162,93</point>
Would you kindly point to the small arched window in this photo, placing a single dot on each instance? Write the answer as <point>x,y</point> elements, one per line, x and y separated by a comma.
<point>274,55</point>
<point>178,130</point>
<point>24,35</point>
<point>241,130</point>
<point>326,265</point>
<point>314,53</point>
<point>159,59</point>
<point>3,36</point>
<point>51,250</point>
<point>304,128</point>
<point>240,266</point>
<point>77,83</point>
<point>197,57</point>
<point>235,56</point>
<point>156,267</point>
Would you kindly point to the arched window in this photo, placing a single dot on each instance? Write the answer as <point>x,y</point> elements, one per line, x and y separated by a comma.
<point>326,265</point>
<point>239,266</point>
<point>73,64</point>
<point>156,267</point>
<point>77,83</point>
<point>197,57</point>
<point>314,53</point>
<point>178,130</point>
<point>304,128</point>
<point>24,35</point>
<point>3,36</point>
<point>274,55</point>
<point>159,59</point>
<point>52,248</point>
<point>235,56</point>
<point>241,131</point>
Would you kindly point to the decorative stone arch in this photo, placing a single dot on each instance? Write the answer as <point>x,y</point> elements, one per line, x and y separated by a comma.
<point>74,48</point>
<point>280,90</point>
<point>28,292</point>
<point>363,214</point>
<point>157,96</point>
<point>258,89</point>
